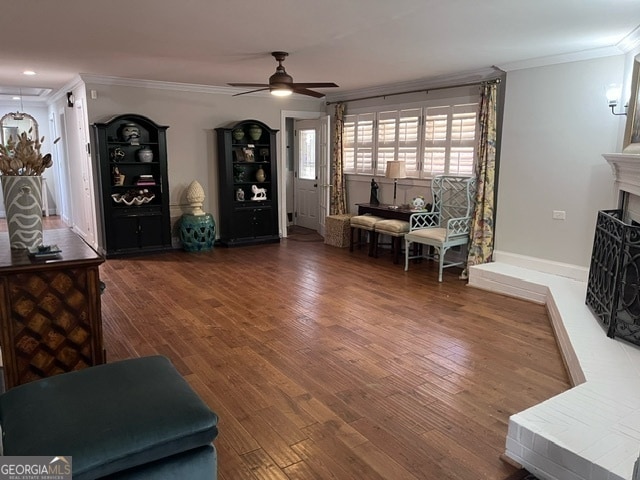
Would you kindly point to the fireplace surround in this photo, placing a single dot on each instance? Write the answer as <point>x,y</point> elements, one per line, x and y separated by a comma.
<point>613,288</point>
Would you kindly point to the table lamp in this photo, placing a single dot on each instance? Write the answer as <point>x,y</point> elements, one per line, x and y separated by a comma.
<point>395,170</point>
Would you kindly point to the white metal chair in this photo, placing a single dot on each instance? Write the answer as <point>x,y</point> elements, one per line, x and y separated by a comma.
<point>447,225</point>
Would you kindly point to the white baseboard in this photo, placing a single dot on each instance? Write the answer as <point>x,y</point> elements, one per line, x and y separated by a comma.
<point>575,272</point>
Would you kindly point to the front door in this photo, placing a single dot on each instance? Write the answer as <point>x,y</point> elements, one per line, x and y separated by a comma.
<point>306,174</point>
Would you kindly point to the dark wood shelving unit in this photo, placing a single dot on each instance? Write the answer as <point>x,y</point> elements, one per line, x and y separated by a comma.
<point>244,221</point>
<point>133,229</point>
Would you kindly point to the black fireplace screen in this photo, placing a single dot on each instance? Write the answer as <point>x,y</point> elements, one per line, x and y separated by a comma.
<point>613,292</point>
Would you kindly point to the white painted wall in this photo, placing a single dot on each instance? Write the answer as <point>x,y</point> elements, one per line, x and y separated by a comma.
<point>557,125</point>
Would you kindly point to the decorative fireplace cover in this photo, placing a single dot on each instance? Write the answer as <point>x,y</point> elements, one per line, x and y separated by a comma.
<point>613,289</point>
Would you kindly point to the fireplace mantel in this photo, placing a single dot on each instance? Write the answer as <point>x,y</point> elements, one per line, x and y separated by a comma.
<point>626,170</point>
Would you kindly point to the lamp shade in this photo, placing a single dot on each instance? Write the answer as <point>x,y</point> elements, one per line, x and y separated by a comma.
<point>396,169</point>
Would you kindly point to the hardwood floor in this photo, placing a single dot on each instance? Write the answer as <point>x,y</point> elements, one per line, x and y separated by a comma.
<point>323,364</point>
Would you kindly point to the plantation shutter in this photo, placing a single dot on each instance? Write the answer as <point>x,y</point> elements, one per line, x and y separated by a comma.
<point>357,138</point>
<point>435,139</point>
<point>398,139</point>
<point>408,140</point>
<point>387,140</point>
<point>349,144</point>
<point>449,139</point>
<point>463,137</point>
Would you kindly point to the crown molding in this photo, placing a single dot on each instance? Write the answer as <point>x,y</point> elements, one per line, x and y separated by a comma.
<point>174,86</point>
<point>631,42</point>
<point>62,91</point>
<point>564,58</point>
<point>421,84</point>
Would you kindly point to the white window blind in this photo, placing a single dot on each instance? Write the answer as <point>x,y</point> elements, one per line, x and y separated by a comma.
<point>431,140</point>
<point>463,139</point>
<point>348,144</point>
<point>449,139</point>
<point>387,140</point>
<point>398,139</point>
<point>358,143</point>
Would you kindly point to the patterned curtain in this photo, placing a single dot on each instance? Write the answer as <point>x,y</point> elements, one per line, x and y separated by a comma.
<point>481,240</point>
<point>338,190</point>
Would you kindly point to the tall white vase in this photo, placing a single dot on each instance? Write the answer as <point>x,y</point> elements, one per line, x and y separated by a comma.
<point>23,204</point>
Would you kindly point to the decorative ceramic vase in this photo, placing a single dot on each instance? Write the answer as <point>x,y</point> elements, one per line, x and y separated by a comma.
<point>255,132</point>
<point>130,132</point>
<point>240,195</point>
<point>145,154</point>
<point>238,134</point>
<point>260,175</point>
<point>23,205</point>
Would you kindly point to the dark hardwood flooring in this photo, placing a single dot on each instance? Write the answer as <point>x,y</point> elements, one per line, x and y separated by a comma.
<point>325,364</point>
<point>328,365</point>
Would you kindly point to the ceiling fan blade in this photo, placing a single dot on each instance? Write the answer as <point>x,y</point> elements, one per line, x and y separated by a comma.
<point>250,91</point>
<point>281,80</point>
<point>306,91</point>
<point>316,85</point>
<point>248,84</point>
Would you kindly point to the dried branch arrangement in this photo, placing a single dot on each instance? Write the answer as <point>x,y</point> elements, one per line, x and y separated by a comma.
<point>23,157</point>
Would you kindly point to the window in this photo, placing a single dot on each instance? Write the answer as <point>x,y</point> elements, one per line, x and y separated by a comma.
<point>449,139</point>
<point>398,138</point>
<point>307,154</point>
<point>432,139</point>
<point>358,143</point>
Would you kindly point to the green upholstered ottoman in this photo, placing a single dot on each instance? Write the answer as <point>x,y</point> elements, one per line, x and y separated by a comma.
<point>135,418</point>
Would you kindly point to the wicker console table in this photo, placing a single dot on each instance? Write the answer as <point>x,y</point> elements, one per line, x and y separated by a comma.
<point>50,317</point>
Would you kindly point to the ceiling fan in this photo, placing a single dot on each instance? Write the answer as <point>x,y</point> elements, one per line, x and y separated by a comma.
<point>281,83</point>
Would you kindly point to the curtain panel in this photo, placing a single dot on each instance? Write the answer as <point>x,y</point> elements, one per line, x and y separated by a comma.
<point>481,238</point>
<point>338,188</point>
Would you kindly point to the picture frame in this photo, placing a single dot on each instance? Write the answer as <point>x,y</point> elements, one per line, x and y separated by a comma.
<point>238,155</point>
<point>632,128</point>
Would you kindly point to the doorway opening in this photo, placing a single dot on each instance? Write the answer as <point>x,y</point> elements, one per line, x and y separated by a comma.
<point>305,172</point>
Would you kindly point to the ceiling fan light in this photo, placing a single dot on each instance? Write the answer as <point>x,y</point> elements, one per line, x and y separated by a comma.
<point>281,92</point>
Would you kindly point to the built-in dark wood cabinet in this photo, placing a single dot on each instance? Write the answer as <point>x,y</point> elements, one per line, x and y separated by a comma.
<point>247,165</point>
<point>134,189</point>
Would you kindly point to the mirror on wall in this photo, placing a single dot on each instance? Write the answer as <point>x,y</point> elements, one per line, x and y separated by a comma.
<point>13,124</point>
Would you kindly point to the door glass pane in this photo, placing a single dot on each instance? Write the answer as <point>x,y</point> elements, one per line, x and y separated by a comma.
<point>307,154</point>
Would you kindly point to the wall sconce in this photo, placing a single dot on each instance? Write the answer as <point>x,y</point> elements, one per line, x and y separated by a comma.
<point>70,99</point>
<point>613,94</point>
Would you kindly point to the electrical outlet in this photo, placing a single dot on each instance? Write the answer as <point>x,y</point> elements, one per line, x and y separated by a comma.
<point>559,215</point>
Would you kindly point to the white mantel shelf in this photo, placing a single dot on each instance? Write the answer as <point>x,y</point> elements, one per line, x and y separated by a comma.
<point>626,170</point>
